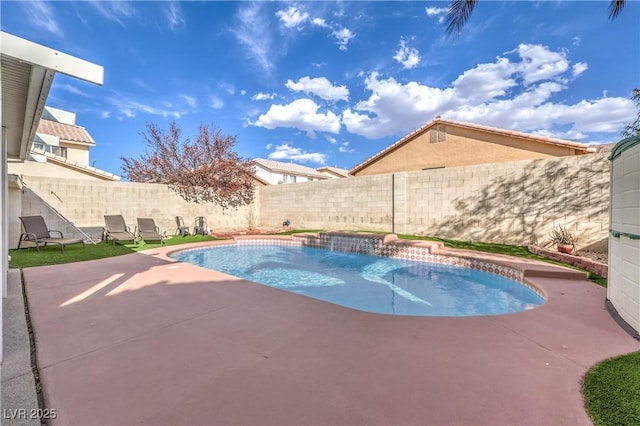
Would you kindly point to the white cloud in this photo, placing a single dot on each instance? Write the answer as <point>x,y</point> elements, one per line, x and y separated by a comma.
<point>288,152</point>
<point>252,30</point>
<point>243,92</point>
<point>320,87</point>
<point>344,36</point>
<point>578,68</point>
<point>131,108</point>
<point>407,56</point>
<point>268,146</point>
<point>435,11</point>
<point>512,94</point>
<point>344,147</point>
<point>175,16</point>
<point>292,17</point>
<point>263,96</point>
<point>117,11</point>
<point>539,63</point>
<point>190,100</point>
<point>439,12</point>
<point>216,102</point>
<point>331,139</point>
<point>319,22</point>
<point>40,16</point>
<point>300,114</point>
<point>486,81</point>
<point>105,114</point>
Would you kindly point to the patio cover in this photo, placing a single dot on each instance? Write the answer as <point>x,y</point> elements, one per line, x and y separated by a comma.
<point>25,80</point>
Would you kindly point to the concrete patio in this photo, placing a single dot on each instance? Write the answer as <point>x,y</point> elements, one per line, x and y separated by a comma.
<point>142,339</point>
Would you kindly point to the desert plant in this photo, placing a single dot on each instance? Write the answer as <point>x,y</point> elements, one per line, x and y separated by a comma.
<point>562,236</point>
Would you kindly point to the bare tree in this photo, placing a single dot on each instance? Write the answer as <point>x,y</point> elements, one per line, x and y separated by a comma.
<point>206,169</point>
<point>460,11</point>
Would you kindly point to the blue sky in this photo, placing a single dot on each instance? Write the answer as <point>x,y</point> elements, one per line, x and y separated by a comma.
<point>333,83</point>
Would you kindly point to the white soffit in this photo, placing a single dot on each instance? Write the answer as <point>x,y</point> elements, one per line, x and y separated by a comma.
<point>27,74</point>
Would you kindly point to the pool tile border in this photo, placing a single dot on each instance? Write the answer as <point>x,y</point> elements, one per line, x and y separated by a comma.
<point>382,245</point>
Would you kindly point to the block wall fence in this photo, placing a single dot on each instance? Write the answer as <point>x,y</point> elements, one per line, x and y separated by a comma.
<point>515,202</point>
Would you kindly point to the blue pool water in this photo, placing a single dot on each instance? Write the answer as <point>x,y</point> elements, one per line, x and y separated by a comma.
<point>369,283</point>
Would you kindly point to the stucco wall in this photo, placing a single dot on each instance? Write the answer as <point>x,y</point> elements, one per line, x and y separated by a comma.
<point>462,147</point>
<point>76,153</point>
<point>624,248</point>
<point>49,170</point>
<point>514,202</point>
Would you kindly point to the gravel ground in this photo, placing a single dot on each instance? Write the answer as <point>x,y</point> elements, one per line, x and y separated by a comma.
<point>600,257</point>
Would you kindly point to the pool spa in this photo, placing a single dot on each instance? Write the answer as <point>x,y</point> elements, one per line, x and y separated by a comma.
<point>372,273</point>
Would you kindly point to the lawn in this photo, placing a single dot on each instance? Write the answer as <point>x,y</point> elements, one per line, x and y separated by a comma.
<point>52,255</point>
<point>612,391</point>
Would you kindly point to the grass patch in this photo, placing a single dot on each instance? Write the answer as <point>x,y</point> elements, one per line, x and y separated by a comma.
<point>612,391</point>
<point>52,255</point>
<point>300,231</point>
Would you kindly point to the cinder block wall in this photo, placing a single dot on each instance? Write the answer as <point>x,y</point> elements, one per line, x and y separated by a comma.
<point>85,202</point>
<point>363,203</point>
<point>515,202</point>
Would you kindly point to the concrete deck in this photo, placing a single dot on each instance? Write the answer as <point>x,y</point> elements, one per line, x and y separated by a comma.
<point>142,339</point>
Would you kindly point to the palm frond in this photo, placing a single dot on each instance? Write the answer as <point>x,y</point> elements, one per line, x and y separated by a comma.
<point>458,15</point>
<point>615,7</point>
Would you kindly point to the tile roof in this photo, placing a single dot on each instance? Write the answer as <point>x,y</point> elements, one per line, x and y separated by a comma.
<point>66,132</point>
<point>57,159</point>
<point>603,147</point>
<point>289,168</point>
<point>335,170</point>
<point>488,129</point>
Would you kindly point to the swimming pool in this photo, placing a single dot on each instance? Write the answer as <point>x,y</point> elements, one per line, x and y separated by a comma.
<point>369,283</point>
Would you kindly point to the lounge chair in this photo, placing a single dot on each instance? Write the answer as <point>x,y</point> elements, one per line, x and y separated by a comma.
<point>115,229</point>
<point>37,232</point>
<point>200,226</point>
<point>181,228</point>
<point>148,231</point>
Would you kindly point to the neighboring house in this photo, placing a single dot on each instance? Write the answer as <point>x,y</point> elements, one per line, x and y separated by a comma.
<point>447,143</point>
<point>276,172</point>
<point>334,172</point>
<point>60,149</point>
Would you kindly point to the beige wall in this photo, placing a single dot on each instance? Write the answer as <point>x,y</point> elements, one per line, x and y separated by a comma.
<point>49,170</point>
<point>462,147</point>
<point>513,202</point>
<point>85,202</point>
<point>77,153</point>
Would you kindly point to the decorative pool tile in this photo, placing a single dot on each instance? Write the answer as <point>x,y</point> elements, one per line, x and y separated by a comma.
<point>374,246</point>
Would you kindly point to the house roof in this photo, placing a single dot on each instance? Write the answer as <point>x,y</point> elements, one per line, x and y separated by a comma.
<point>334,170</point>
<point>494,130</point>
<point>27,74</point>
<point>66,132</point>
<point>92,171</point>
<point>289,168</point>
<point>603,147</point>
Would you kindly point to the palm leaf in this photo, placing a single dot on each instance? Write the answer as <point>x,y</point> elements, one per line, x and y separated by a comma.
<point>615,7</point>
<point>458,15</point>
